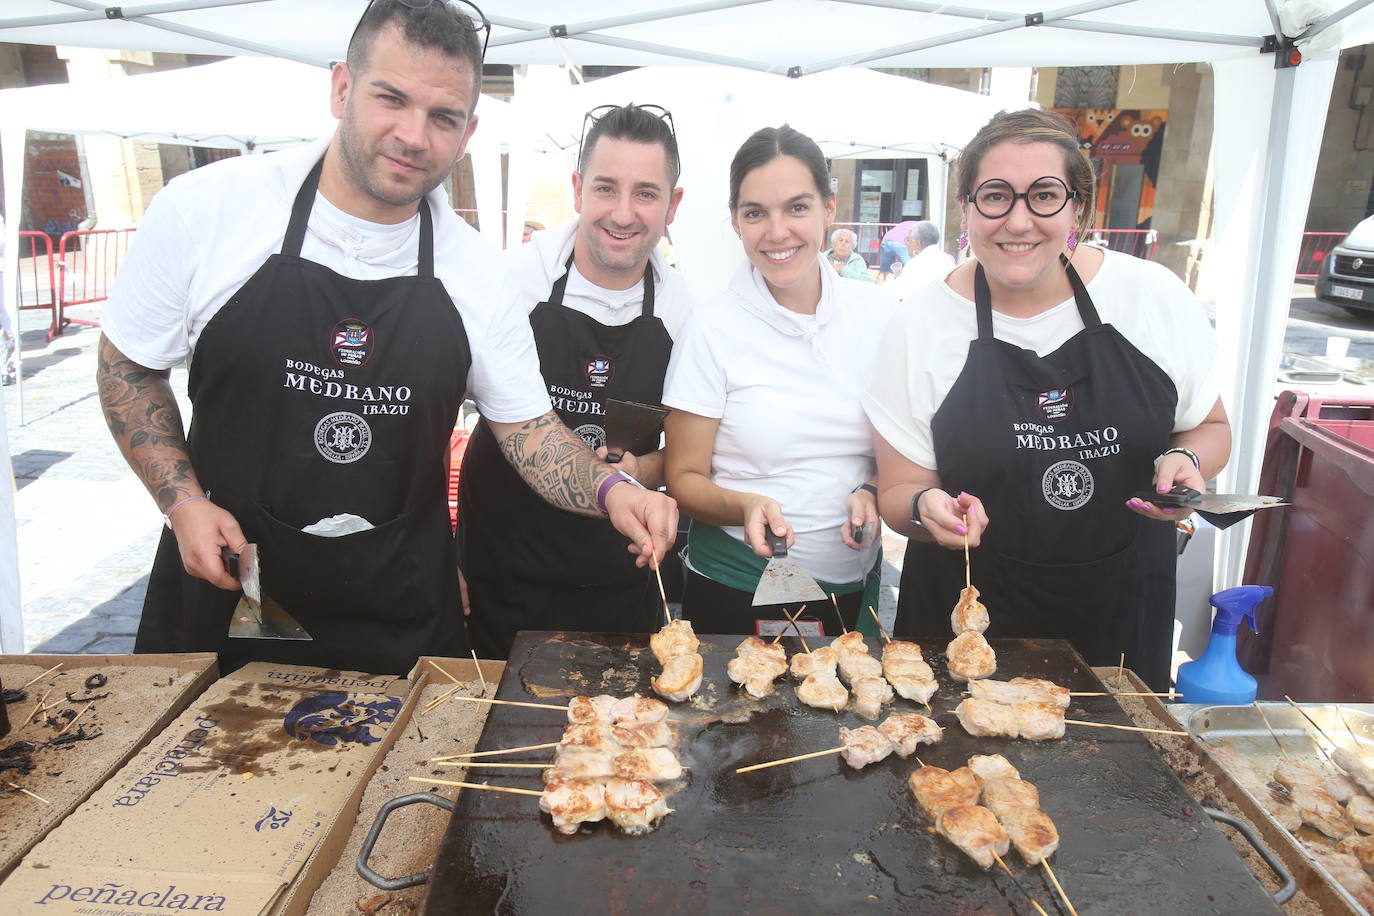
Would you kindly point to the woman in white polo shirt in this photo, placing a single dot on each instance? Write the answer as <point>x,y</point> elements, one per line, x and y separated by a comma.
<point>767,429</point>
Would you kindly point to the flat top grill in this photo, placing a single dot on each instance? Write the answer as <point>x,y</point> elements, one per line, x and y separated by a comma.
<point>816,836</point>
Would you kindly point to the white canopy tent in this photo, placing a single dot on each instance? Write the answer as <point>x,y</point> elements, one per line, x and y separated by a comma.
<point>1269,121</point>
<point>216,105</point>
<point>851,113</point>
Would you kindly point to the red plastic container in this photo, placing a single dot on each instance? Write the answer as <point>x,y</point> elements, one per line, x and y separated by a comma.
<point>1316,638</point>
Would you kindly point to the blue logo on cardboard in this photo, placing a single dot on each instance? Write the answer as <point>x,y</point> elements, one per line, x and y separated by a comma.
<point>273,819</point>
<point>333,718</point>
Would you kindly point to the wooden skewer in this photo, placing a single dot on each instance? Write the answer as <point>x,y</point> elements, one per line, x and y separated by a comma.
<point>968,577</point>
<point>478,665</point>
<point>1353,737</point>
<point>1038,908</point>
<point>20,788</point>
<point>476,785</point>
<point>495,763</point>
<point>435,665</point>
<point>774,763</point>
<point>511,703</point>
<point>72,721</point>
<point>1121,670</point>
<point>41,676</point>
<point>507,750</point>
<point>793,620</point>
<point>662,593</point>
<point>1059,887</point>
<point>37,706</point>
<point>881,629</point>
<point>1316,726</point>
<point>1121,693</point>
<point>442,699</point>
<point>1259,709</point>
<point>835,601</point>
<point>1127,728</point>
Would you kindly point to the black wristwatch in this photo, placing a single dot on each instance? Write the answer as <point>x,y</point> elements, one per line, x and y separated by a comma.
<point>916,506</point>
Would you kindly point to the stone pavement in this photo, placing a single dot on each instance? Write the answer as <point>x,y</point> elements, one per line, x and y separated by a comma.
<point>87,529</point>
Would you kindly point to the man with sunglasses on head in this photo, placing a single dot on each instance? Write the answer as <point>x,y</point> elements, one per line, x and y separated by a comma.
<point>604,307</point>
<point>334,312</point>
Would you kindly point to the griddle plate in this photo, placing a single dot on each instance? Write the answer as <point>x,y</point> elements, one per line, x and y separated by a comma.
<point>816,836</point>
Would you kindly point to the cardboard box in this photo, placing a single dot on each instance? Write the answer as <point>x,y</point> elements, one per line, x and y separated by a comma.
<point>221,811</point>
<point>347,831</point>
<point>194,672</point>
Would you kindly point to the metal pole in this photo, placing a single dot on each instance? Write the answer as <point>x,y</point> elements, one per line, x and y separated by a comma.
<point>92,14</point>
<point>537,33</point>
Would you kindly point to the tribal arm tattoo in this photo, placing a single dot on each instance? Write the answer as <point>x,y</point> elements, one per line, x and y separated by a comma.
<point>143,416</point>
<point>554,461</point>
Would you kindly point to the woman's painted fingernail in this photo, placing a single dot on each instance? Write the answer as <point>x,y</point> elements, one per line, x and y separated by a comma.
<point>961,529</point>
<point>1168,511</point>
<point>972,510</point>
<point>1133,502</point>
<point>1162,488</point>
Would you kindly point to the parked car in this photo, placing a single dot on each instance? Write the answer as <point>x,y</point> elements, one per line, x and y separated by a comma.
<point>1347,274</point>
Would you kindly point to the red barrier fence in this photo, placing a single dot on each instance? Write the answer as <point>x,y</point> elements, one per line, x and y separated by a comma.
<point>1140,243</point>
<point>1315,247</point>
<point>81,271</point>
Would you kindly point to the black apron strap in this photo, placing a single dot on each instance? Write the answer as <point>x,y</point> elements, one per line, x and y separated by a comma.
<point>647,310</point>
<point>1086,309</point>
<point>300,212</point>
<point>559,285</point>
<point>982,302</point>
<point>300,218</point>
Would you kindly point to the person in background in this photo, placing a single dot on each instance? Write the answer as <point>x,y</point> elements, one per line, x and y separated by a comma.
<point>767,432</point>
<point>842,256</point>
<point>1027,398</point>
<point>531,227</point>
<point>928,261</point>
<point>892,248</point>
<point>334,311</point>
<point>604,307</point>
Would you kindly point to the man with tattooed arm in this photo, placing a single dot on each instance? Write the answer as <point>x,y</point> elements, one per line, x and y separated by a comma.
<point>334,312</point>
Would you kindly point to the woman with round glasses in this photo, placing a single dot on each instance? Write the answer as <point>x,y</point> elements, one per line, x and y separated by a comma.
<point>767,430</point>
<point>1024,401</point>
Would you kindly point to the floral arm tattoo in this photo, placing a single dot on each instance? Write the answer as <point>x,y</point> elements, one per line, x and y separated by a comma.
<point>555,462</point>
<point>143,416</point>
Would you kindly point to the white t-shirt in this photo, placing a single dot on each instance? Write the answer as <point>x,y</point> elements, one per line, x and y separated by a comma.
<point>786,389</point>
<point>536,264</point>
<point>924,347</point>
<point>211,229</point>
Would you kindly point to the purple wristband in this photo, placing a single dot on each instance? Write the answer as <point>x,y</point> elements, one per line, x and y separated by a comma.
<point>605,488</point>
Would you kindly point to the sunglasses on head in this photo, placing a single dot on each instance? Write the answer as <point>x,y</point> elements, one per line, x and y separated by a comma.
<point>600,111</point>
<point>479,22</point>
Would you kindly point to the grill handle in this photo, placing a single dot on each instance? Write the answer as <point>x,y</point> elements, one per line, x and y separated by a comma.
<point>1290,886</point>
<point>396,884</point>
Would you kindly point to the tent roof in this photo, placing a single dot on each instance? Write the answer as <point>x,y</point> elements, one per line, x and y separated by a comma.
<point>809,35</point>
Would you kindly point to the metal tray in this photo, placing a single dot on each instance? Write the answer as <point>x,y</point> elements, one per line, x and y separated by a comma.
<point>816,836</point>
<point>1242,728</point>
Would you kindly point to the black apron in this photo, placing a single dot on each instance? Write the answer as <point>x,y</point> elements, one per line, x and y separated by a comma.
<point>314,395</point>
<point>1054,447</point>
<point>529,565</point>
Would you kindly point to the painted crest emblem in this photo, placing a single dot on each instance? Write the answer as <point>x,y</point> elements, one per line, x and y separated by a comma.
<point>1067,485</point>
<point>351,342</point>
<point>333,717</point>
<point>343,437</point>
<point>599,371</point>
<point>1055,404</point>
<point>593,435</point>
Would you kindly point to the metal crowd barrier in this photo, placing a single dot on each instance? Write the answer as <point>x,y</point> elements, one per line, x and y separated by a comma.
<point>81,271</point>
<point>1315,247</point>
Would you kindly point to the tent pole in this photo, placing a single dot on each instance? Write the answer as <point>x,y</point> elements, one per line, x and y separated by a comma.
<point>1006,25</point>
<point>680,53</point>
<point>963,12</point>
<point>1321,25</point>
<point>93,14</point>
<point>538,33</point>
<point>208,36</point>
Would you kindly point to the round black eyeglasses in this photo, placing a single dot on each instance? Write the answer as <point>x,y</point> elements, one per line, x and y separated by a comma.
<point>1046,196</point>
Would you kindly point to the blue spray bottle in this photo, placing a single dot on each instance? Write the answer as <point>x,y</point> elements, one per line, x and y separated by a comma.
<point>1217,677</point>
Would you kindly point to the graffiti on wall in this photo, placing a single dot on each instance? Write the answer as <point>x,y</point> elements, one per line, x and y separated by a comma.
<point>1125,145</point>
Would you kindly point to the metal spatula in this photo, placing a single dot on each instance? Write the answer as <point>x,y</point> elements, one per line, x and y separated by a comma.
<point>783,580</point>
<point>257,616</point>
<point>1222,510</point>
